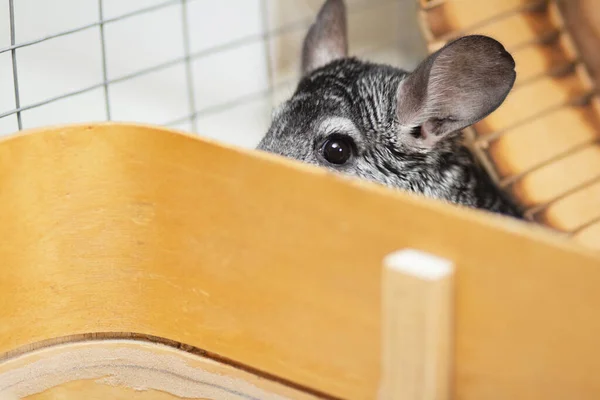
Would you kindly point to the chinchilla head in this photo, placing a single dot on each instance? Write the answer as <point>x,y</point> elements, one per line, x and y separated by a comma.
<point>387,125</point>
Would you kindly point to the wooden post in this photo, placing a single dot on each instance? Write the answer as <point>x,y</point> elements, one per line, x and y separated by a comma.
<point>417,327</point>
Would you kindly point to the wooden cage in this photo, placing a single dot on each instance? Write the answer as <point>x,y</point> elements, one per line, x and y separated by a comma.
<point>137,262</point>
<point>541,146</point>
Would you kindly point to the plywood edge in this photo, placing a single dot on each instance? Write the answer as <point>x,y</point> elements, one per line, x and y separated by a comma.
<point>133,365</point>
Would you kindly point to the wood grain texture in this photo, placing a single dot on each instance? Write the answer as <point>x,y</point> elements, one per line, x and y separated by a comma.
<point>274,264</point>
<point>129,369</point>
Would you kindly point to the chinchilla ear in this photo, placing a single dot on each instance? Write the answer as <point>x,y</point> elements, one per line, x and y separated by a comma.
<point>453,88</point>
<point>327,38</point>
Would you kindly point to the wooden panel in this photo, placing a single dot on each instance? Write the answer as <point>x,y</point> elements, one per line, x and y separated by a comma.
<point>127,369</point>
<point>562,176</point>
<point>275,265</point>
<point>529,100</point>
<point>462,14</point>
<point>575,210</point>
<point>542,139</point>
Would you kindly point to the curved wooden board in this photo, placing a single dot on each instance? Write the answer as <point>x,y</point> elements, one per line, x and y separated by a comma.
<point>131,369</point>
<point>273,265</point>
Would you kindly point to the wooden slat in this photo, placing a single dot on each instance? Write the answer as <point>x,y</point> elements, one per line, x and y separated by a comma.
<point>529,100</point>
<point>562,176</point>
<point>575,210</point>
<point>518,29</point>
<point>275,265</point>
<point>541,59</point>
<point>542,139</point>
<point>512,31</point>
<point>458,15</point>
<point>590,236</point>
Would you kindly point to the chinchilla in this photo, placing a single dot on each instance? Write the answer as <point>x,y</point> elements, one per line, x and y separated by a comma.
<point>401,129</point>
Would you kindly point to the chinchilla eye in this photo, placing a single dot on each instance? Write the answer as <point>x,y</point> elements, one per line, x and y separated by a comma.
<point>337,149</point>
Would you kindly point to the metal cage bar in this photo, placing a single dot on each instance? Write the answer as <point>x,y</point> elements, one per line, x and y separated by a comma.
<point>187,59</point>
<point>13,51</point>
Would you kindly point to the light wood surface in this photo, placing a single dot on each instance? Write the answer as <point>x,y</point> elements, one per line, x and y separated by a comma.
<point>575,210</point>
<point>514,29</point>
<point>539,59</point>
<point>418,306</point>
<point>519,29</point>
<point>528,102</point>
<point>460,15</point>
<point>274,264</point>
<point>129,369</point>
<point>549,182</point>
<point>544,139</point>
<point>589,235</point>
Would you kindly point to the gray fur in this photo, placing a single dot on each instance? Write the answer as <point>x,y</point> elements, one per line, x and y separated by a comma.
<point>405,126</point>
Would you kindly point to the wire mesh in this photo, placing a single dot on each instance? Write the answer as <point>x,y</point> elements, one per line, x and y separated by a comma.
<point>13,50</point>
<point>195,110</point>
